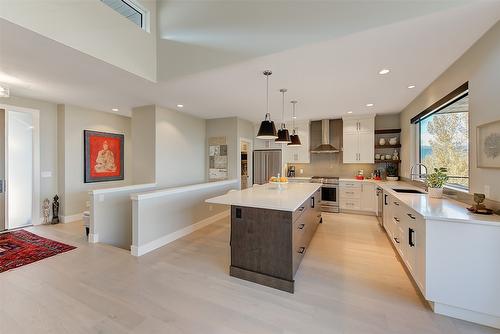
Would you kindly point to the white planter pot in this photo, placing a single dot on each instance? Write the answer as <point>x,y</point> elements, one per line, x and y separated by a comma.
<point>435,192</point>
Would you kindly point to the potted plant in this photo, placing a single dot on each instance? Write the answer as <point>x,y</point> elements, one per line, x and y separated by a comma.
<point>436,181</point>
<point>392,172</point>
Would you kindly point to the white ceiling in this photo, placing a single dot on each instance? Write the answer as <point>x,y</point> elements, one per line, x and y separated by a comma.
<point>211,57</point>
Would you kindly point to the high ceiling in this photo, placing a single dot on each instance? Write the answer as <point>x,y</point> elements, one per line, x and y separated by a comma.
<point>212,53</point>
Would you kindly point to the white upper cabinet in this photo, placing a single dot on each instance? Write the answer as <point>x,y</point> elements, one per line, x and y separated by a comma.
<point>358,139</point>
<point>298,154</point>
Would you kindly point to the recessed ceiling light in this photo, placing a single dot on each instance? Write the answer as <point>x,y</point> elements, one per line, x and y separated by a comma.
<point>384,71</point>
<point>180,106</point>
<point>369,104</point>
<point>115,109</point>
<point>294,117</point>
<point>411,86</point>
<point>349,112</point>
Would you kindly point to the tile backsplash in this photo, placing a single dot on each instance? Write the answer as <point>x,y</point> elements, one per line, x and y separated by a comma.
<point>331,165</point>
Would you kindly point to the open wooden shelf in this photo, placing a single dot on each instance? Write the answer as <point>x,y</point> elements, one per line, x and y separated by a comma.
<point>386,131</point>
<point>388,146</point>
<point>387,161</point>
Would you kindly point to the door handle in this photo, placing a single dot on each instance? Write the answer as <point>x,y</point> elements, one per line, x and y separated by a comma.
<point>385,199</point>
<point>411,216</point>
<point>312,202</point>
<point>301,209</point>
<point>396,239</point>
<point>411,234</point>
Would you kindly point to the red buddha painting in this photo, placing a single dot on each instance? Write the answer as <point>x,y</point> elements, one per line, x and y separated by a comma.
<point>103,156</point>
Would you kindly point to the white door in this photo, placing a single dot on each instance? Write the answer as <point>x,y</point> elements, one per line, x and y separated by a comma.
<point>20,163</point>
<point>2,169</point>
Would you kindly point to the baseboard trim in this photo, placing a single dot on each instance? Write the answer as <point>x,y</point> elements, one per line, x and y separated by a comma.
<point>71,218</point>
<point>467,315</point>
<point>155,244</point>
<point>93,238</point>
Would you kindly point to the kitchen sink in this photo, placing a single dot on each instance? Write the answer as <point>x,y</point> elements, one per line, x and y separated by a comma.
<point>408,191</point>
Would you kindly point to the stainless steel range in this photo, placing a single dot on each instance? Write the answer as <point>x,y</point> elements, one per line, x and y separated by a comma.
<point>329,192</point>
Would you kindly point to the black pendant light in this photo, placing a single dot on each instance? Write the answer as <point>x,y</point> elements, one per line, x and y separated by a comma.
<point>267,129</point>
<point>294,138</point>
<point>283,135</point>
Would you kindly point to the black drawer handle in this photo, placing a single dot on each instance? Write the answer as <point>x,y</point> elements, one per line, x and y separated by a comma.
<point>301,226</point>
<point>396,239</point>
<point>396,219</point>
<point>411,234</point>
<point>396,203</point>
<point>302,250</point>
<point>411,216</point>
<point>312,202</point>
<point>301,209</point>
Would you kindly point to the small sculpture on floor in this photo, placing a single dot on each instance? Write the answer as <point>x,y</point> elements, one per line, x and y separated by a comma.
<point>46,210</point>
<point>55,210</point>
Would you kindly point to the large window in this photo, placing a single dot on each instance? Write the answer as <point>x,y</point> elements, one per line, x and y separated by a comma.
<point>129,9</point>
<point>444,140</point>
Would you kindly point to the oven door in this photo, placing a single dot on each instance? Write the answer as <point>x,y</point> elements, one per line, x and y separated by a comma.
<point>329,194</point>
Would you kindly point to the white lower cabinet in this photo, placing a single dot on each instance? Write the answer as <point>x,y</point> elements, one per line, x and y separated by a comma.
<point>357,196</point>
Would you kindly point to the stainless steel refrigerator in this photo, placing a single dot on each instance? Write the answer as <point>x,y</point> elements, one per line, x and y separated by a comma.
<point>266,163</point>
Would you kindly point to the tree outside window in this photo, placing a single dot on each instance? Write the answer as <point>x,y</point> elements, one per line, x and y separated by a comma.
<point>444,141</point>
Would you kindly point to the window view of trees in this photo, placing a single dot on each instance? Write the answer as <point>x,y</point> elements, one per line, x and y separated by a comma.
<point>444,141</point>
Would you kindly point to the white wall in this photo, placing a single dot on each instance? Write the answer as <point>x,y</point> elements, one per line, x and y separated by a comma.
<point>180,148</point>
<point>91,27</point>
<point>144,144</point>
<point>480,65</point>
<point>48,141</point>
<point>77,119</point>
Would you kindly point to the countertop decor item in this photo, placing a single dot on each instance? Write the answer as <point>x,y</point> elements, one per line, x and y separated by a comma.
<point>393,141</point>
<point>283,134</point>
<point>395,155</point>
<point>267,129</point>
<point>381,141</point>
<point>436,181</point>
<point>55,210</point>
<point>392,172</point>
<point>488,145</point>
<point>479,206</point>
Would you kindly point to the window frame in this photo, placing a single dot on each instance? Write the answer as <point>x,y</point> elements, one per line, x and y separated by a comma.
<point>144,12</point>
<point>456,95</point>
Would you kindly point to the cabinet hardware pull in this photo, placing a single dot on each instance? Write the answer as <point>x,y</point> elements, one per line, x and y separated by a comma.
<point>411,233</point>
<point>396,219</point>
<point>312,202</point>
<point>301,209</point>
<point>301,226</point>
<point>302,250</point>
<point>411,216</point>
<point>385,199</point>
<point>396,203</point>
<point>396,239</point>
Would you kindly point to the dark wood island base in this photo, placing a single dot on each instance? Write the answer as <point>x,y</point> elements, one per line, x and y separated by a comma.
<point>267,245</point>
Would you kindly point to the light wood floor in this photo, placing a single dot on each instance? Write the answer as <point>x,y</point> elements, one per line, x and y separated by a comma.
<point>349,282</point>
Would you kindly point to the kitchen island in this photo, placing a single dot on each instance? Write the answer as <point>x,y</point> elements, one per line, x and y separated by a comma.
<point>271,228</point>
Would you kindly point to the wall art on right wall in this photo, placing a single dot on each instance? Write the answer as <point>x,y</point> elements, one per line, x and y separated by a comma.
<point>488,145</point>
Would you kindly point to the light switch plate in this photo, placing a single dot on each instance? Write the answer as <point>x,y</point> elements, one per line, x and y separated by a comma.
<point>46,174</point>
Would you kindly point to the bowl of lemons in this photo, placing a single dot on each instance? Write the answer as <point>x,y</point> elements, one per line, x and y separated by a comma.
<point>278,182</point>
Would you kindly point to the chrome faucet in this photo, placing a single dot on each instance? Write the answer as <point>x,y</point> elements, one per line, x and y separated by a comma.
<point>419,175</point>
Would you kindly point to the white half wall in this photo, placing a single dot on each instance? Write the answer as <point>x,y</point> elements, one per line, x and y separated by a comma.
<point>162,216</point>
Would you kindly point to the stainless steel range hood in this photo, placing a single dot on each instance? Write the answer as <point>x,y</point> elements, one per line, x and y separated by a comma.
<point>325,146</point>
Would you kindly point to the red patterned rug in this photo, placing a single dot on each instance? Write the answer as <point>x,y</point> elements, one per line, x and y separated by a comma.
<point>18,248</point>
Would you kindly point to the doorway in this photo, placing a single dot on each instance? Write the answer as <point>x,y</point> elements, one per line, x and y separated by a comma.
<point>19,171</point>
<point>245,159</point>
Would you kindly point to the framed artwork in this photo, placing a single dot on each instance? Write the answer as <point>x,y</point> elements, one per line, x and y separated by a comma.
<point>103,156</point>
<point>217,159</point>
<point>488,145</point>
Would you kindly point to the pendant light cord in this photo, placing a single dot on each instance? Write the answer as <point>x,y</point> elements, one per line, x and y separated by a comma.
<point>267,96</point>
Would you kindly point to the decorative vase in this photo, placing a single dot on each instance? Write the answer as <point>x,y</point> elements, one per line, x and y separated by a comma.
<point>435,192</point>
<point>381,141</point>
<point>393,141</point>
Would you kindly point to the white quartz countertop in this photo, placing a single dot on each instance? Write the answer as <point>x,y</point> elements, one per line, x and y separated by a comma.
<point>286,197</point>
<point>444,209</point>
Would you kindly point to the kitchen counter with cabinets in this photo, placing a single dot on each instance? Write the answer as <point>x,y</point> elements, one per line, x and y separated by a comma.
<point>451,254</point>
<point>271,229</point>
